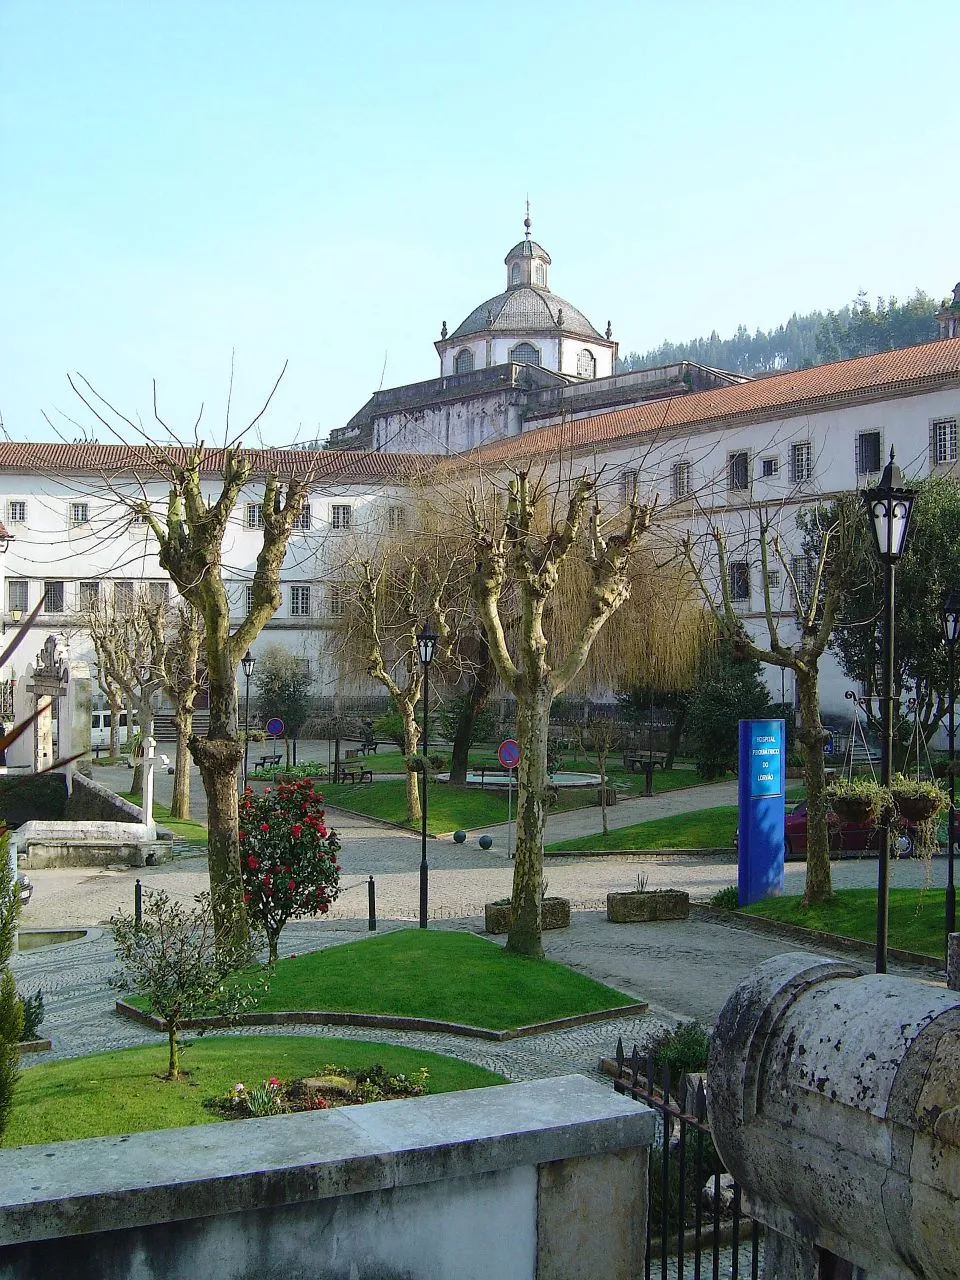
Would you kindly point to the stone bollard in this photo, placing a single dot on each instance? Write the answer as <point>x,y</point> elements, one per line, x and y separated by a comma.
<point>834,1100</point>
<point>953,961</point>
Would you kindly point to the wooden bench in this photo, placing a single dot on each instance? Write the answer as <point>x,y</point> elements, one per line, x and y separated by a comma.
<point>266,762</point>
<point>640,761</point>
<point>350,775</point>
<point>494,770</point>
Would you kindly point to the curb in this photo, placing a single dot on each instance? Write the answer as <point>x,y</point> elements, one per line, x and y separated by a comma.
<point>642,853</point>
<point>328,1018</point>
<point>796,933</point>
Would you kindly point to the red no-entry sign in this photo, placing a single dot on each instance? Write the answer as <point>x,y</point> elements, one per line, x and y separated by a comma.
<point>509,753</point>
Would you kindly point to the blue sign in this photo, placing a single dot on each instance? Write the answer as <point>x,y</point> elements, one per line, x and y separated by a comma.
<point>760,832</point>
<point>509,753</point>
<point>274,726</point>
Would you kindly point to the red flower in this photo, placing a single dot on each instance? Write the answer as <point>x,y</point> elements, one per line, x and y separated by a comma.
<point>252,863</point>
<point>242,835</point>
<point>295,830</point>
<point>246,897</point>
<point>292,884</point>
<point>264,826</point>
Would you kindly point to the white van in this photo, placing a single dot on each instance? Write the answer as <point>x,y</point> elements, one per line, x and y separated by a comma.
<point>100,727</point>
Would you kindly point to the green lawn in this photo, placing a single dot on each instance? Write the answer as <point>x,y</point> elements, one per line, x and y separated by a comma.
<point>452,976</point>
<point>916,916</point>
<point>123,1092</point>
<point>186,829</point>
<point>701,829</point>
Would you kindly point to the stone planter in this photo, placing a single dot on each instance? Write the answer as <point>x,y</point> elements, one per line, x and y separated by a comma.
<point>498,917</point>
<point>635,907</point>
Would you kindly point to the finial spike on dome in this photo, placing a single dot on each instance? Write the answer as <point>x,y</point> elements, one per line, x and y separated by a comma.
<point>609,331</point>
<point>526,221</point>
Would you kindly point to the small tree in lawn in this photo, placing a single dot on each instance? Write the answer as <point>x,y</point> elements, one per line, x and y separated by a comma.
<point>599,737</point>
<point>172,958</point>
<point>288,857</point>
<point>283,689</point>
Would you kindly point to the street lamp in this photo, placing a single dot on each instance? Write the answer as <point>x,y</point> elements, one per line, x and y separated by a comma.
<point>889,507</point>
<point>248,662</point>
<point>16,615</point>
<point>427,645</point>
<point>950,617</point>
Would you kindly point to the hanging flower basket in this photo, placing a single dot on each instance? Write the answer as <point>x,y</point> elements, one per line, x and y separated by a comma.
<point>918,801</point>
<point>855,809</point>
<point>858,800</point>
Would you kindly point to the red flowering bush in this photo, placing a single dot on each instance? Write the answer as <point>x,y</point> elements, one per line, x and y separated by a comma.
<point>288,857</point>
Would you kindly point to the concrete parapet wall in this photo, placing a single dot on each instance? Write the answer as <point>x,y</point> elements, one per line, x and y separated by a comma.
<point>539,1181</point>
<point>87,844</point>
<point>90,801</point>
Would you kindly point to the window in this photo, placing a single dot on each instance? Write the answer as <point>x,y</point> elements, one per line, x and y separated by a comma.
<point>868,453</point>
<point>540,274</point>
<point>801,462</point>
<point>738,470</point>
<point>341,517</point>
<point>525,353</point>
<point>302,666</point>
<point>17,511</point>
<point>89,596</point>
<point>254,518</point>
<point>123,596</point>
<point>586,364</point>
<point>17,594</point>
<point>738,577</point>
<point>396,519</point>
<point>248,598</point>
<point>300,602</point>
<point>79,512</point>
<point>336,599</point>
<point>945,441</point>
<point>515,273</point>
<point>628,486</point>
<point>138,518</point>
<point>53,597</point>
<point>303,521</point>
<point>773,579</point>
<point>802,572</point>
<point>158,592</point>
<point>463,362</point>
<point>769,467</point>
<point>680,480</point>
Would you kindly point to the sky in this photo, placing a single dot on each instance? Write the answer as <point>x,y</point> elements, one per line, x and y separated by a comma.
<point>198,184</point>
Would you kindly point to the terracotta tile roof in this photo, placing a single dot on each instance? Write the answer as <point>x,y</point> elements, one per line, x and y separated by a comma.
<point>108,459</point>
<point>891,374</point>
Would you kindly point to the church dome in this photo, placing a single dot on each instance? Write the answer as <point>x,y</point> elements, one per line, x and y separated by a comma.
<point>525,309</point>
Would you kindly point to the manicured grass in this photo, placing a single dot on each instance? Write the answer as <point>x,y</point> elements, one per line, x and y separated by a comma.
<point>186,829</point>
<point>916,916</point>
<point>447,807</point>
<point>700,829</point>
<point>123,1092</point>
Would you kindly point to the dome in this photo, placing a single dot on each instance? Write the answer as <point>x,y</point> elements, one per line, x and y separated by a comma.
<point>525,309</point>
<point>528,249</point>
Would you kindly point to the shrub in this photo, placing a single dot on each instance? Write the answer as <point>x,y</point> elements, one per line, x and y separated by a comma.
<point>727,898</point>
<point>685,1048</point>
<point>11,1010</point>
<point>33,1014</point>
<point>288,858</point>
<point>734,691</point>
<point>389,727</point>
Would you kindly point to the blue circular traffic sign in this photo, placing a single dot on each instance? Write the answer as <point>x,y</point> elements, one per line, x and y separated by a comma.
<point>509,753</point>
<point>274,726</point>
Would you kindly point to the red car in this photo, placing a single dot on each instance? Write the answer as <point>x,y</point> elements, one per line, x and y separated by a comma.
<point>845,837</point>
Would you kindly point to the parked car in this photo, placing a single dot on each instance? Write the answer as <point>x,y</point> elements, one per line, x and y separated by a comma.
<point>25,887</point>
<point>845,837</point>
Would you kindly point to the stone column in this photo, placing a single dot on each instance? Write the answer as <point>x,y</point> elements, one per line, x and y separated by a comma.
<point>953,962</point>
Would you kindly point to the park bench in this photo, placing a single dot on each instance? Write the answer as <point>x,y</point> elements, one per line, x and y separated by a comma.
<point>637,761</point>
<point>266,762</point>
<point>493,770</point>
<point>350,775</point>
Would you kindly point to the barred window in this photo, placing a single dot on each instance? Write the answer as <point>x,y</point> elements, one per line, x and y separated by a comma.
<point>738,577</point>
<point>336,599</point>
<point>89,596</point>
<point>463,362</point>
<point>341,517</point>
<point>738,470</point>
<point>248,598</point>
<point>123,595</point>
<point>17,594</point>
<point>158,592</point>
<point>868,453</point>
<point>680,479</point>
<point>525,353</point>
<point>303,520</point>
<point>628,485</point>
<point>945,441</point>
<point>801,462</point>
<point>396,519</point>
<point>300,602</point>
<point>254,519</point>
<point>79,512</point>
<point>802,571</point>
<point>586,364</point>
<point>17,511</point>
<point>53,597</point>
<point>769,467</point>
<point>773,579</point>
<point>540,274</point>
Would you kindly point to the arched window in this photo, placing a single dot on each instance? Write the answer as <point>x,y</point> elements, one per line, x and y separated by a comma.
<point>515,273</point>
<point>525,353</point>
<point>586,364</point>
<point>463,362</point>
<point>540,274</point>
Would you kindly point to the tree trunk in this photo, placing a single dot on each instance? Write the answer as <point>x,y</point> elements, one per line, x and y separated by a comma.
<point>115,709</point>
<point>411,743</point>
<point>476,701</point>
<point>812,738</point>
<point>603,793</point>
<point>533,722</point>
<point>180,805</point>
<point>173,1068</point>
<point>218,757</point>
<point>674,736</point>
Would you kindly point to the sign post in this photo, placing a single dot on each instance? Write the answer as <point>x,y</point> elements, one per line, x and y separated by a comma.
<point>509,757</point>
<point>762,810</point>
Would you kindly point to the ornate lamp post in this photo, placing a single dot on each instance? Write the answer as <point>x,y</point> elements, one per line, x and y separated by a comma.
<point>889,507</point>
<point>950,617</point>
<point>248,662</point>
<point>427,645</point>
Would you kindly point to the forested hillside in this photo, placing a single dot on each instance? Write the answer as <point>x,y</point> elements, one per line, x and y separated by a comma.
<point>815,338</point>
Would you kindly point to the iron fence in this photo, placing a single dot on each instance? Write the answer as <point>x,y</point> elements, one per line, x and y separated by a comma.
<point>695,1223</point>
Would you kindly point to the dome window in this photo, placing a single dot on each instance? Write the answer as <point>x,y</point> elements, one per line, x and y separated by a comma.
<point>525,353</point>
<point>464,361</point>
<point>586,364</point>
<point>540,274</point>
<point>515,273</point>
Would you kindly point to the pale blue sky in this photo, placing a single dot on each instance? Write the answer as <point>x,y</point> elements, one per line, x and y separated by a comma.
<point>328,182</point>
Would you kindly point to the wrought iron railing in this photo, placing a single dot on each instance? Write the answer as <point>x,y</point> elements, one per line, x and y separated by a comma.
<point>695,1223</point>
